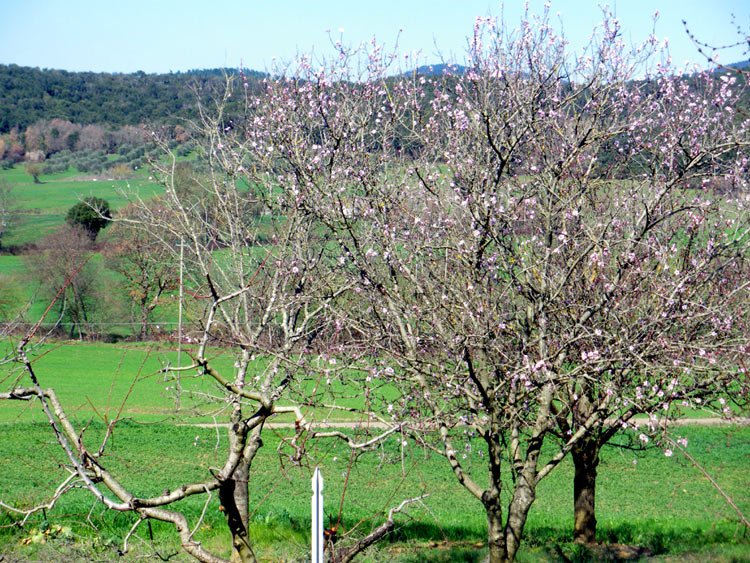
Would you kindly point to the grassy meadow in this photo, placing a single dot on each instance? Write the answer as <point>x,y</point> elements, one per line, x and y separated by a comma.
<point>663,504</point>
<point>659,503</point>
<point>99,381</point>
<point>645,498</point>
<point>41,208</point>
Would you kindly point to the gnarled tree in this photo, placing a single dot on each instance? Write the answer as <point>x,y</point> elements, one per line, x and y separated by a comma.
<point>147,264</point>
<point>265,278</point>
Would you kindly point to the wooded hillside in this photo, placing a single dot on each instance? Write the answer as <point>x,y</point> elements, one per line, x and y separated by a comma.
<point>28,95</point>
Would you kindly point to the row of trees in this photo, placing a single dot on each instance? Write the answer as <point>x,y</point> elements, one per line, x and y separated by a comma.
<point>63,144</point>
<point>492,268</point>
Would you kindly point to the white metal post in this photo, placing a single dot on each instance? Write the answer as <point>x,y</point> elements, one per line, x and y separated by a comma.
<point>317,518</point>
<point>178,383</point>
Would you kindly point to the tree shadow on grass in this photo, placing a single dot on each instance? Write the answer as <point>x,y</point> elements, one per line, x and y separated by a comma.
<point>430,532</point>
<point>635,541</point>
<point>662,540</point>
<point>446,554</point>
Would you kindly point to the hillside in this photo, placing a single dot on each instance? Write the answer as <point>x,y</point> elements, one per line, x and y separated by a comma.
<point>28,95</point>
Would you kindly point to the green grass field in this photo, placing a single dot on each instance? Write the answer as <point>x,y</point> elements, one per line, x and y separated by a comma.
<point>644,498</point>
<point>41,208</point>
<point>96,381</point>
<point>659,503</point>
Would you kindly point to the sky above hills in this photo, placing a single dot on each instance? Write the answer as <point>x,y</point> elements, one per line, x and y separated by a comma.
<point>179,35</point>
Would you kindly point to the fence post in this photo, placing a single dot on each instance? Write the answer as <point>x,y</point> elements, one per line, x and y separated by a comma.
<point>317,517</point>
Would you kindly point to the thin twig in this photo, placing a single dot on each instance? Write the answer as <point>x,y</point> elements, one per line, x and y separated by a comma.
<point>209,496</point>
<point>130,533</point>
<point>64,487</point>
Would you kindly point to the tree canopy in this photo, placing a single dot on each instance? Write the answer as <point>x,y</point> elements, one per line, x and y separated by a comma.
<point>92,215</point>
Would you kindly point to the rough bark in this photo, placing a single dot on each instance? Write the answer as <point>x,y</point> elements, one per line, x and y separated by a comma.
<point>495,529</point>
<point>524,491</point>
<point>586,460</point>
<point>491,499</point>
<point>504,540</point>
<point>233,491</point>
<point>233,498</point>
<point>524,496</point>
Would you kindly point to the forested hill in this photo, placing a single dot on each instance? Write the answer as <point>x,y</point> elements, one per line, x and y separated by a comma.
<point>28,95</point>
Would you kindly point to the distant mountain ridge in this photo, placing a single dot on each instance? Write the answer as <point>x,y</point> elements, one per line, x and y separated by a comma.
<point>29,94</point>
<point>440,69</point>
<point>742,65</point>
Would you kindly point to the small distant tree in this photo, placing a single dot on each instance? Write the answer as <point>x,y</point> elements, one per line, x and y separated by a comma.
<point>61,134</point>
<point>92,138</point>
<point>14,148</point>
<point>92,215</point>
<point>147,265</point>
<point>34,138</point>
<point>121,171</point>
<point>34,169</point>
<point>6,208</point>
<point>62,266</point>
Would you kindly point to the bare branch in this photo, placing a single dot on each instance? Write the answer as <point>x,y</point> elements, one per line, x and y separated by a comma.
<point>344,555</point>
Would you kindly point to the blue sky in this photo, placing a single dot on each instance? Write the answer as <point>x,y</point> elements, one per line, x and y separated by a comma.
<point>178,35</point>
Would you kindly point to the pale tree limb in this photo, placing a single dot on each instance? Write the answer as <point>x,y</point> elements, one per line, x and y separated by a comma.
<point>85,465</point>
<point>66,435</point>
<point>245,393</point>
<point>132,530</point>
<point>209,496</point>
<point>351,442</point>
<point>344,555</point>
<point>64,487</point>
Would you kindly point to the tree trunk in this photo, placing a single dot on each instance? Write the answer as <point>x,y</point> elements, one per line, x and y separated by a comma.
<point>234,492</point>
<point>241,491</point>
<point>233,495</point>
<point>504,541</point>
<point>495,530</point>
<point>492,496</point>
<point>585,459</point>
<point>518,511</point>
<point>144,323</point>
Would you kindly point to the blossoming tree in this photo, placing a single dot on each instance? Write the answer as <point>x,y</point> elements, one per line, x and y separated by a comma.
<point>533,251</point>
<point>542,246</point>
